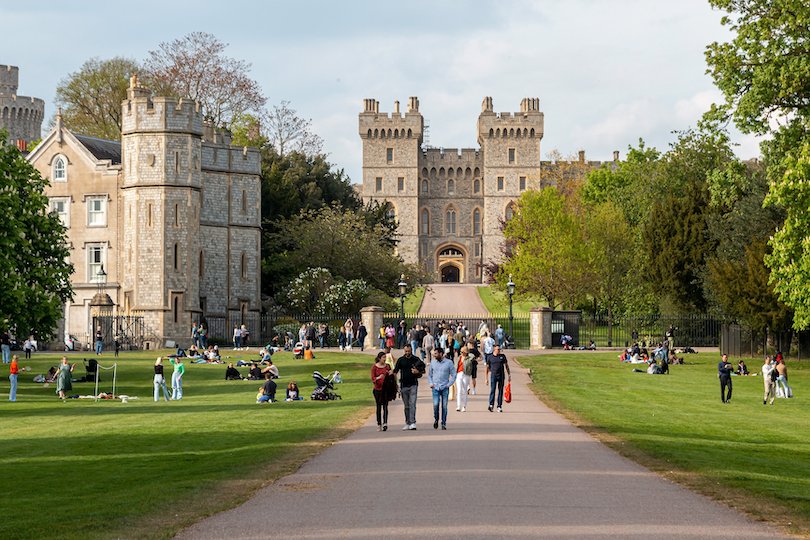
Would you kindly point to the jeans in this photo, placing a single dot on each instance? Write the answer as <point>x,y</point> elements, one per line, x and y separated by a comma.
<point>12,393</point>
<point>725,382</point>
<point>322,341</point>
<point>781,382</point>
<point>99,346</point>
<point>462,385</point>
<point>160,382</point>
<point>265,397</point>
<point>409,402</point>
<point>414,346</point>
<point>495,380</point>
<point>177,385</point>
<point>440,395</point>
<point>349,339</point>
<point>382,407</point>
<point>6,354</point>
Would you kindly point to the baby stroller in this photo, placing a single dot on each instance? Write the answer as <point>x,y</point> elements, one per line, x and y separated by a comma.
<point>324,386</point>
<point>298,351</point>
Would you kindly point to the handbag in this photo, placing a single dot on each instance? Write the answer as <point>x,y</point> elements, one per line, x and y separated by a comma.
<point>507,393</point>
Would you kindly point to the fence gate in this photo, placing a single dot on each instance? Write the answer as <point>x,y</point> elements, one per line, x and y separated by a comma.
<point>565,323</point>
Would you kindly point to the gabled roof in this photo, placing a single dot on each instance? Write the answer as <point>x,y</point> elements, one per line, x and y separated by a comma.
<point>102,149</point>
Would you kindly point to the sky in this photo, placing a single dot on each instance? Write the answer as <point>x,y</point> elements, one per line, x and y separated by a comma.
<point>607,72</point>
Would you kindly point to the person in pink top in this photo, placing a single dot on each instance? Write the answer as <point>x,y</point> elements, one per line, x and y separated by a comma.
<point>379,371</point>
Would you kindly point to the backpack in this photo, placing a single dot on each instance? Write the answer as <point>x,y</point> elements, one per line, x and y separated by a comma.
<point>468,365</point>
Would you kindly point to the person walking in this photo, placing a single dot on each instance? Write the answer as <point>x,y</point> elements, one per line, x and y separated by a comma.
<point>29,347</point>
<point>237,338</point>
<point>159,380</point>
<point>14,369</point>
<point>63,380</point>
<point>177,378</point>
<point>781,379</point>
<point>724,369</point>
<point>487,346</point>
<point>342,338</point>
<point>349,325</point>
<point>463,377</point>
<point>496,365</point>
<point>5,345</point>
<point>379,371</point>
<point>202,334</point>
<point>500,335</point>
<point>427,346</point>
<point>441,376</point>
<point>99,341</point>
<point>410,369</point>
<point>195,334</point>
<point>475,354</point>
<point>769,380</point>
<point>361,336</point>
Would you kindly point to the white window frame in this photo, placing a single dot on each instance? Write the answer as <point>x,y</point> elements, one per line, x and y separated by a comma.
<point>90,201</point>
<point>94,266</point>
<point>59,158</point>
<point>64,216</point>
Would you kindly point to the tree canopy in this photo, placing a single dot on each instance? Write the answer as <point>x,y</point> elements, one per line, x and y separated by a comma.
<point>34,257</point>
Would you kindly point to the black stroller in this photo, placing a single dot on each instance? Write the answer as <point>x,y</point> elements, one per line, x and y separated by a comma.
<point>324,386</point>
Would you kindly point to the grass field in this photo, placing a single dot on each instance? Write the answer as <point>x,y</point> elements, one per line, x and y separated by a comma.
<point>750,456</point>
<point>82,469</point>
<point>413,300</point>
<point>496,301</point>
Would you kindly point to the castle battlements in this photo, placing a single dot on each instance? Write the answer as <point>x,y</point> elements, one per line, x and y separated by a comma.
<point>394,125</point>
<point>21,115</point>
<point>143,112</point>
<point>451,156</point>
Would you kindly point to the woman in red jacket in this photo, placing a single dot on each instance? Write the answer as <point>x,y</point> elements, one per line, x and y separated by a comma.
<point>378,373</point>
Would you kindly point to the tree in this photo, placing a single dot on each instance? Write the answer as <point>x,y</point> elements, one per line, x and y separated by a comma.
<point>34,256</point>
<point>288,132</point>
<point>90,99</point>
<point>195,67</point>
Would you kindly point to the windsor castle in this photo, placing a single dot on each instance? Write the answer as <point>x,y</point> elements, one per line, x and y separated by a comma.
<point>450,203</point>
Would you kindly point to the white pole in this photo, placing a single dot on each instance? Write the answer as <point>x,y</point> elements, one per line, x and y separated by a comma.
<point>96,394</point>
<point>115,372</point>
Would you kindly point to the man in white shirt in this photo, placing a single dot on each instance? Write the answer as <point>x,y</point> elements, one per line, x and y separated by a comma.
<point>487,346</point>
<point>767,379</point>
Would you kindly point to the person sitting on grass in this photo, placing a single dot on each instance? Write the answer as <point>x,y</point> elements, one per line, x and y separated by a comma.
<point>193,351</point>
<point>742,369</point>
<point>265,355</point>
<point>293,394</point>
<point>267,391</point>
<point>51,376</point>
<point>232,374</point>
<point>271,369</point>
<point>255,372</point>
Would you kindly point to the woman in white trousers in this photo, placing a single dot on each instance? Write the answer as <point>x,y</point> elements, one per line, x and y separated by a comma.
<point>463,379</point>
<point>160,380</point>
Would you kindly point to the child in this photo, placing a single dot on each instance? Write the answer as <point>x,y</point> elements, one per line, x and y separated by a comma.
<point>292,391</point>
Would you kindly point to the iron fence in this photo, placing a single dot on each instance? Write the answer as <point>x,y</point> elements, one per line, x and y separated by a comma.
<point>648,330</point>
<point>520,335</point>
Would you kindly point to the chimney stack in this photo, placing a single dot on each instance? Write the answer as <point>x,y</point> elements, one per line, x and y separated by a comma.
<point>21,146</point>
<point>582,156</point>
<point>396,107</point>
<point>616,155</point>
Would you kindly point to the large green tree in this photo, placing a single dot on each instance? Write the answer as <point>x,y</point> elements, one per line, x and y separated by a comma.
<point>764,74</point>
<point>90,98</point>
<point>34,257</point>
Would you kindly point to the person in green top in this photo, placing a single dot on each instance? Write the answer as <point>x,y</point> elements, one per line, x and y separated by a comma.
<point>177,377</point>
<point>63,378</point>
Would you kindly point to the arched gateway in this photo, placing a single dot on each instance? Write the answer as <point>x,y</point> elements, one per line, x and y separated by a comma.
<point>450,262</point>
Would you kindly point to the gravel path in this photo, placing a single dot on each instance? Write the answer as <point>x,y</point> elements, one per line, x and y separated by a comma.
<point>524,473</point>
<point>448,298</point>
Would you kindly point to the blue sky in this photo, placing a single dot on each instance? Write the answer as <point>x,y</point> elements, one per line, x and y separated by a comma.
<point>606,72</point>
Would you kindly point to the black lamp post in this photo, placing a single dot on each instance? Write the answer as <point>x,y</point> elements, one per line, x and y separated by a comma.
<point>403,288</point>
<point>510,291</point>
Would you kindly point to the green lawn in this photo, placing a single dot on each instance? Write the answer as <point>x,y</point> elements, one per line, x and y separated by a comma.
<point>496,301</point>
<point>753,457</point>
<point>413,300</point>
<point>82,469</point>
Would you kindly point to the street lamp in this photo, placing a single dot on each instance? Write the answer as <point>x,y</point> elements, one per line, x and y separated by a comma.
<point>403,288</point>
<point>510,291</point>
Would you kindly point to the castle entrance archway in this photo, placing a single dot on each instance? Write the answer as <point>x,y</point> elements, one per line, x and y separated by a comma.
<point>451,264</point>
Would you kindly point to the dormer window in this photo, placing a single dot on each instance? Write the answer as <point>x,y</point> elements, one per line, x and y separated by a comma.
<point>60,169</point>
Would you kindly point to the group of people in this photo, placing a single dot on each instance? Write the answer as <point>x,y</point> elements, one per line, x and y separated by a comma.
<point>774,378</point>
<point>443,372</point>
<point>241,336</point>
<point>177,378</point>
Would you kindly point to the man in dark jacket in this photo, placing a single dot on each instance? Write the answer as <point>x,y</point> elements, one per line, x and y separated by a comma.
<point>724,369</point>
<point>411,368</point>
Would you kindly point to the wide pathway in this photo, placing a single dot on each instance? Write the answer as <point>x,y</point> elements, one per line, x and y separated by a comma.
<point>451,298</point>
<point>524,473</point>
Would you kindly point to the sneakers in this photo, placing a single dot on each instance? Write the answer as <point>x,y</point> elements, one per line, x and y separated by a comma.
<point>444,427</point>
<point>385,427</point>
<point>500,409</point>
<point>489,408</point>
<point>379,428</point>
<point>457,409</point>
<point>412,427</point>
<point>406,427</point>
<point>464,409</point>
<point>435,424</point>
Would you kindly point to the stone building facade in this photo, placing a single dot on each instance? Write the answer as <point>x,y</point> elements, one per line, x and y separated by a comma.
<point>171,211</point>
<point>21,116</point>
<point>450,203</point>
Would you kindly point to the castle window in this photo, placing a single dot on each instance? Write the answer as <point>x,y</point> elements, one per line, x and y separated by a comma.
<point>476,218</point>
<point>522,183</point>
<point>202,264</point>
<point>176,162</point>
<point>477,249</point>
<point>378,184</point>
<point>510,212</point>
<point>244,201</point>
<point>176,308</point>
<point>425,221</point>
<point>477,186</point>
<point>176,215</point>
<point>176,258</point>
<point>60,169</point>
<point>95,260</point>
<point>424,186</point>
<point>97,212</point>
<point>149,215</point>
<point>450,220</point>
<point>389,155</point>
<point>61,205</point>
<point>243,266</point>
<point>391,212</point>
<point>400,184</point>
<point>500,183</point>
<point>511,155</point>
<point>451,187</point>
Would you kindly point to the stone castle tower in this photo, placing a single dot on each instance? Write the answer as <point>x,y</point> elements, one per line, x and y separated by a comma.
<point>21,116</point>
<point>450,203</point>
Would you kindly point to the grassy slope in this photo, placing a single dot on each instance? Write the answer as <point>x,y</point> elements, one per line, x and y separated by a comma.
<point>751,456</point>
<point>82,469</point>
<point>413,301</point>
<point>497,301</point>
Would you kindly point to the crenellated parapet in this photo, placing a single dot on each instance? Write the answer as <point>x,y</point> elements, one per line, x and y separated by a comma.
<point>21,116</point>
<point>528,123</point>
<point>394,125</point>
<point>144,113</point>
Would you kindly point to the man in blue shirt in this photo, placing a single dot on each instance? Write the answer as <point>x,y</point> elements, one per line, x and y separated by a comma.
<point>724,369</point>
<point>441,376</point>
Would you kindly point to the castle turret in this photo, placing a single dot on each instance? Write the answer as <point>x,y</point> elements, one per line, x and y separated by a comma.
<point>21,116</point>
<point>391,149</point>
